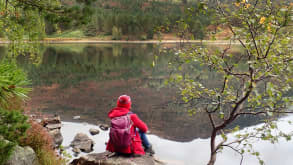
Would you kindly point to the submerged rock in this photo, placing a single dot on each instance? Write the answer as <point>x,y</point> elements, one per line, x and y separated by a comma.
<point>94,131</point>
<point>104,127</point>
<point>76,117</point>
<point>22,156</point>
<point>82,142</point>
<point>105,159</point>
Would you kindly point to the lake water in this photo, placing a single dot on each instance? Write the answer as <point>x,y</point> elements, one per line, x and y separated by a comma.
<point>86,79</point>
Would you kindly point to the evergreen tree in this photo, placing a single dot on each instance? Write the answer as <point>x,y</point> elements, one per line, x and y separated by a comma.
<point>13,124</point>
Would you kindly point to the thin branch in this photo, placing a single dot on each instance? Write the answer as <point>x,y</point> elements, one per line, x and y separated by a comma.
<point>263,112</point>
<point>253,38</point>
<point>236,74</point>
<point>6,3</point>
<point>270,44</point>
<point>235,151</point>
<point>211,119</point>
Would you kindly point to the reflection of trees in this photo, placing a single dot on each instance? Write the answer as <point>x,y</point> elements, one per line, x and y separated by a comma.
<point>93,63</point>
<point>93,77</point>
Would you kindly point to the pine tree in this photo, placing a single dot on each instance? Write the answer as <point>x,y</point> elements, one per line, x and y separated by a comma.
<point>13,124</point>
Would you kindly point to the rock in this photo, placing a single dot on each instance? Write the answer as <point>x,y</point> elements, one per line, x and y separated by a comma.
<point>22,156</point>
<point>103,159</point>
<point>76,117</point>
<point>82,142</point>
<point>52,120</point>
<point>76,150</point>
<point>57,137</point>
<point>94,131</point>
<point>104,127</point>
<point>54,126</point>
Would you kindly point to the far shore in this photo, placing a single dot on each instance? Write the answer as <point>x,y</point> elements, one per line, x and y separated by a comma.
<point>98,41</point>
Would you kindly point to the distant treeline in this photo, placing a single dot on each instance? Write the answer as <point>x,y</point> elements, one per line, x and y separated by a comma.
<point>132,18</point>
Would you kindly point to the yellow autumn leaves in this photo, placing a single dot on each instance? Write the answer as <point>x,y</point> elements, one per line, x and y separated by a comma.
<point>262,20</point>
<point>244,2</point>
<point>269,25</point>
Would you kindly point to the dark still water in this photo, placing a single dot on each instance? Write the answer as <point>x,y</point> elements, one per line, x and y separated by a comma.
<point>86,79</point>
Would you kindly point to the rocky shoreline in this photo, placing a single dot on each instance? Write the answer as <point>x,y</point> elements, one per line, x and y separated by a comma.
<point>107,158</point>
<point>81,143</point>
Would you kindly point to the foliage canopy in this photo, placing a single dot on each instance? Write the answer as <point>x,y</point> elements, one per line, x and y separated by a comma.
<point>256,82</point>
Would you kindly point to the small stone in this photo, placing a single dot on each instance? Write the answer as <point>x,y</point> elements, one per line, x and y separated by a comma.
<point>53,126</point>
<point>38,120</point>
<point>76,117</point>
<point>76,150</point>
<point>94,131</point>
<point>52,120</point>
<point>104,127</point>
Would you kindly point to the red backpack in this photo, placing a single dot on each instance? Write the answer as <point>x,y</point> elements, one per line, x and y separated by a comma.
<point>120,134</point>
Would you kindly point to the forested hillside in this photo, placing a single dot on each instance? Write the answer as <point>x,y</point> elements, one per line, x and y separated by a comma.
<point>128,19</point>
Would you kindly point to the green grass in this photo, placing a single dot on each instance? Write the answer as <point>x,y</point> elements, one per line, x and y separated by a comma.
<point>76,48</point>
<point>69,34</point>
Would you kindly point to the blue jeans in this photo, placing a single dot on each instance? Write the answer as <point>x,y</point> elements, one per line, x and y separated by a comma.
<point>144,139</point>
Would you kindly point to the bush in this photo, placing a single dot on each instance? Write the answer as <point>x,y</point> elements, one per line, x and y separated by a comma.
<point>42,143</point>
<point>116,33</point>
<point>6,149</point>
<point>13,126</point>
<point>143,37</point>
<point>150,34</point>
<point>91,30</point>
<point>12,80</point>
<point>37,137</point>
<point>1,34</point>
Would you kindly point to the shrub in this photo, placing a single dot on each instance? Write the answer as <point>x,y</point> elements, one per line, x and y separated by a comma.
<point>116,33</point>
<point>143,37</point>
<point>42,143</point>
<point>150,34</point>
<point>6,149</point>
<point>13,125</point>
<point>91,30</point>
<point>12,80</point>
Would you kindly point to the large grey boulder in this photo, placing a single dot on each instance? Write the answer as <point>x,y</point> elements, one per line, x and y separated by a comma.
<point>104,159</point>
<point>82,142</point>
<point>22,156</point>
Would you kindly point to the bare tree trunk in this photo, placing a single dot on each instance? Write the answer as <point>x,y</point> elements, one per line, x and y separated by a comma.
<point>213,155</point>
<point>212,159</point>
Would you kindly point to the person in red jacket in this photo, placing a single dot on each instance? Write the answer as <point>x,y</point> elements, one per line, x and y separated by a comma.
<point>138,130</point>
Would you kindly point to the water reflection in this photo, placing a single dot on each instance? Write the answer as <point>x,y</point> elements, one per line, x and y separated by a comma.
<point>197,151</point>
<point>85,80</point>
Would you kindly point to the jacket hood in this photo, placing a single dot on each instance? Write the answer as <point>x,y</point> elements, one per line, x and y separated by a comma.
<point>118,111</point>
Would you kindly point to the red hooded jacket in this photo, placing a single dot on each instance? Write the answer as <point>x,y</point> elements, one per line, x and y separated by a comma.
<point>136,145</point>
